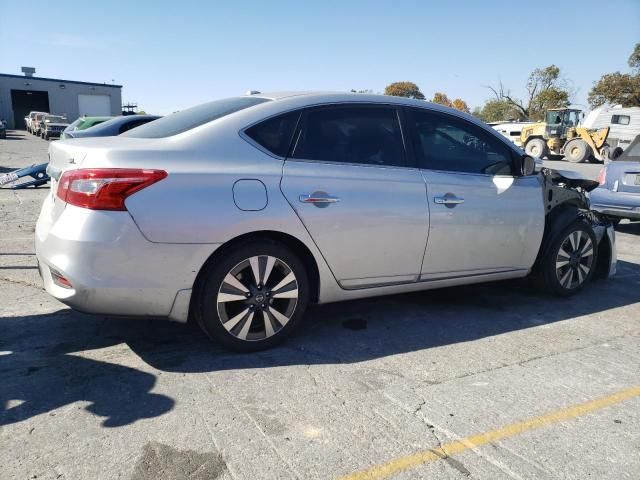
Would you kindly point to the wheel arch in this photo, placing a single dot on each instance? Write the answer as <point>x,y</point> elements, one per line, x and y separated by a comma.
<point>296,246</point>
<point>555,222</point>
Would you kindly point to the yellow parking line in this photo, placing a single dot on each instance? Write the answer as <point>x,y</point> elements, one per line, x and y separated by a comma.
<point>452,448</point>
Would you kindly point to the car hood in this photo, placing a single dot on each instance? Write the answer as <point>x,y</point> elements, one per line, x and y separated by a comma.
<point>573,179</point>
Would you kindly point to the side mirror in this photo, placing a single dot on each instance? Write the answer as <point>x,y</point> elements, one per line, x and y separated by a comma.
<point>525,165</point>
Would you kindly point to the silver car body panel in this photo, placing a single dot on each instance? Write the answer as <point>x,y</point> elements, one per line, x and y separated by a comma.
<point>375,231</point>
<point>498,227</point>
<point>376,240</point>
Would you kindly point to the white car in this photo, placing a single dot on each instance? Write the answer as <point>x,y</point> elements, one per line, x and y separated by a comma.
<point>240,212</point>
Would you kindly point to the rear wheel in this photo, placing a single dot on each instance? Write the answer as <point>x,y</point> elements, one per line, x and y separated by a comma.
<point>254,297</point>
<point>537,147</point>
<point>577,151</point>
<point>570,261</point>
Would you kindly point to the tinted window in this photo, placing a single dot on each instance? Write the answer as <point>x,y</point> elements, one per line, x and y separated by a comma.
<point>131,125</point>
<point>353,134</point>
<point>620,119</point>
<point>445,142</point>
<point>275,133</point>
<point>632,152</point>
<point>193,117</point>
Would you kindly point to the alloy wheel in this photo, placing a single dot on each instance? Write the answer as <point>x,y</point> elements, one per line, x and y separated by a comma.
<point>574,260</point>
<point>257,298</point>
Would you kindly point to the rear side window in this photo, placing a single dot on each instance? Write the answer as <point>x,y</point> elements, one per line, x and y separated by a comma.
<point>275,133</point>
<point>193,117</point>
<point>620,119</point>
<point>361,134</point>
<point>448,143</point>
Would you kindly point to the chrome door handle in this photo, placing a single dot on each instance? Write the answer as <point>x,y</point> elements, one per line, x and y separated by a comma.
<point>448,200</point>
<point>318,197</point>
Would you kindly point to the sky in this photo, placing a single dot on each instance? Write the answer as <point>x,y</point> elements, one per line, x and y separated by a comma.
<point>169,55</point>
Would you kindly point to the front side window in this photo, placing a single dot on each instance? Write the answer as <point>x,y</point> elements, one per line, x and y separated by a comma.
<point>275,134</point>
<point>448,143</point>
<point>362,134</point>
<point>620,119</point>
<point>554,117</point>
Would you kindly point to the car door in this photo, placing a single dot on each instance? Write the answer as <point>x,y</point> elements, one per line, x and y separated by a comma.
<point>347,180</point>
<point>483,219</point>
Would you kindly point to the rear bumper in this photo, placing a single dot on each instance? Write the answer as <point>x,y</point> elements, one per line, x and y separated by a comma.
<point>112,268</point>
<point>616,204</point>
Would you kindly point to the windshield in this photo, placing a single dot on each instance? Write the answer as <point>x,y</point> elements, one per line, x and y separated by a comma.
<point>193,117</point>
<point>73,125</point>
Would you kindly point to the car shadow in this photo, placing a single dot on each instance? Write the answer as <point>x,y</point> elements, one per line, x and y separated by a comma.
<point>15,135</point>
<point>46,361</point>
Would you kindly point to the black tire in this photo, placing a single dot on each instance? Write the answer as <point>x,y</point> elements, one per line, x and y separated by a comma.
<point>577,151</point>
<point>537,147</point>
<point>248,317</point>
<point>550,275</point>
<point>616,153</point>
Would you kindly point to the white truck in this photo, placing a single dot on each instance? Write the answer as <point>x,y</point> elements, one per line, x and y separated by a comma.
<point>623,123</point>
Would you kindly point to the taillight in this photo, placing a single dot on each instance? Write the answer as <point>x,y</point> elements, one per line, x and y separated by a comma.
<point>104,188</point>
<point>602,176</point>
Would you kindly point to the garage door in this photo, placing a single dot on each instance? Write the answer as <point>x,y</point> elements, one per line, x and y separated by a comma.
<point>94,105</point>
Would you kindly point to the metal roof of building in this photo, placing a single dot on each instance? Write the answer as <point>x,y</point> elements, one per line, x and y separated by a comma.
<point>9,75</point>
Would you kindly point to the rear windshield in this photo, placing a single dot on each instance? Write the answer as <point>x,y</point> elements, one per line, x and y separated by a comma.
<point>193,117</point>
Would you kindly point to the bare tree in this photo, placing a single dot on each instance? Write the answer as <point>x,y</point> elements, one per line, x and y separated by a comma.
<point>546,88</point>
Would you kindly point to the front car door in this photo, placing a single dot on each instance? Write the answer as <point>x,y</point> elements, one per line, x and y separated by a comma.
<point>483,219</point>
<point>348,182</point>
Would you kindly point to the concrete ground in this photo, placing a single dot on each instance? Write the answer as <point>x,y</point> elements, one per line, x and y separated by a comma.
<point>487,382</point>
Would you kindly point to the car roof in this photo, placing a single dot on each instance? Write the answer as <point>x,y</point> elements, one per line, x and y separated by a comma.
<point>310,98</point>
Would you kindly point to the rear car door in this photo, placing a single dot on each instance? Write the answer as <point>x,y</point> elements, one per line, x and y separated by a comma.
<point>348,181</point>
<point>483,219</point>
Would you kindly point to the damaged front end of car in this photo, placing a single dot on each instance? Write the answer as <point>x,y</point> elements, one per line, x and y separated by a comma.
<point>566,198</point>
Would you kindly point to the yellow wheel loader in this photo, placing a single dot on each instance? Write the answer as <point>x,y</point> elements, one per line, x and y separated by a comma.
<point>561,134</point>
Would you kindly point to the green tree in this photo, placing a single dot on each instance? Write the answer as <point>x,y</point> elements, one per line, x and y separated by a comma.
<point>496,110</point>
<point>619,88</point>
<point>404,89</point>
<point>546,88</point>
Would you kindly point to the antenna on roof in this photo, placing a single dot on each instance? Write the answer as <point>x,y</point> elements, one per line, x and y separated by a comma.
<point>252,92</point>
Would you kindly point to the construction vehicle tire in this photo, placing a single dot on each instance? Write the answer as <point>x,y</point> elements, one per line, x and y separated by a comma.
<point>577,151</point>
<point>537,147</point>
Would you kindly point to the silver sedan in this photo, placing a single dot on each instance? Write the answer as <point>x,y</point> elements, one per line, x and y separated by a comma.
<point>240,212</point>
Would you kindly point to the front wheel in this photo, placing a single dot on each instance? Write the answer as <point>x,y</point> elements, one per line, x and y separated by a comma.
<point>570,261</point>
<point>253,297</point>
<point>536,147</point>
<point>577,151</point>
